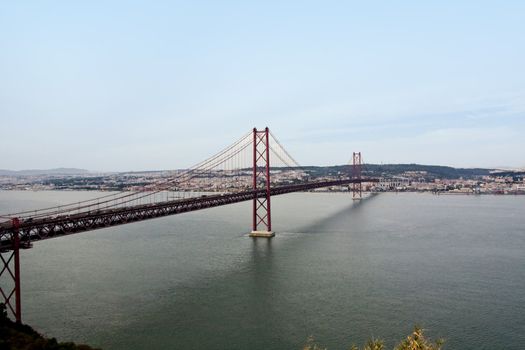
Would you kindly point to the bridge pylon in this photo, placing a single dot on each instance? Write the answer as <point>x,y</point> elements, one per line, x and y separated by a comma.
<point>356,174</point>
<point>262,215</point>
<point>10,274</point>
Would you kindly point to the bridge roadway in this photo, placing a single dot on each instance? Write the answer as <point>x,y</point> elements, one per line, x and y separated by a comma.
<point>55,226</point>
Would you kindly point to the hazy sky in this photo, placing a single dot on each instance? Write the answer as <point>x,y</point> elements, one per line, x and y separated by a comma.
<point>133,85</point>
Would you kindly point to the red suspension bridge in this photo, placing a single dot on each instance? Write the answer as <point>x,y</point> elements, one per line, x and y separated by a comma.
<point>241,172</point>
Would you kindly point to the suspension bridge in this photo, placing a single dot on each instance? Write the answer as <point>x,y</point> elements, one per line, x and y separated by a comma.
<point>255,167</point>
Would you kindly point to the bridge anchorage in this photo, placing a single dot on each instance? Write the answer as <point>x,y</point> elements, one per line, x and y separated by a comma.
<point>241,172</point>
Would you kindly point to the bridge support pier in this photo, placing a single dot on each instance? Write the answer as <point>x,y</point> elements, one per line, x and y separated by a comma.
<point>263,234</point>
<point>10,275</point>
<point>261,185</point>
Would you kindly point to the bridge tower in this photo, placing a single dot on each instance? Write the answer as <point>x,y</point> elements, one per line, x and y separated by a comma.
<point>10,271</point>
<point>356,175</point>
<point>262,218</point>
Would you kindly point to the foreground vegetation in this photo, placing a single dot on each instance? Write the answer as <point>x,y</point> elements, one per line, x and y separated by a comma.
<point>15,336</point>
<point>415,341</point>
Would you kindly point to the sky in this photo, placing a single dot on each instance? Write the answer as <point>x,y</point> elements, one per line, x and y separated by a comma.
<point>146,85</point>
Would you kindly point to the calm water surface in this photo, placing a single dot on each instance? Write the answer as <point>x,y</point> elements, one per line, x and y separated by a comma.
<point>338,270</point>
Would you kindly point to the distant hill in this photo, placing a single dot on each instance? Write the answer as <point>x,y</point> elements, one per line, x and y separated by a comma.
<point>437,171</point>
<point>512,173</point>
<point>57,171</point>
<point>388,170</point>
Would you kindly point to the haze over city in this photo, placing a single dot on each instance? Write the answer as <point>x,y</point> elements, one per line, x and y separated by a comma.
<point>121,86</point>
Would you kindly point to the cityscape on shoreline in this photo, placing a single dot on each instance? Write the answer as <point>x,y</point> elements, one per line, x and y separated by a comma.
<point>393,178</point>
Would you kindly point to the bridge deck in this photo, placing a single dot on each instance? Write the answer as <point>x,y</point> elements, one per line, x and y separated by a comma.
<point>56,226</point>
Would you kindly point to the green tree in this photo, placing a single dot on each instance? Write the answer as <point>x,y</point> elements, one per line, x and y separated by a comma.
<point>415,341</point>
<point>418,341</point>
<point>372,344</point>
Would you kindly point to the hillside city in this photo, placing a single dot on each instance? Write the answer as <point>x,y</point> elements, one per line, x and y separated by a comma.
<point>397,178</point>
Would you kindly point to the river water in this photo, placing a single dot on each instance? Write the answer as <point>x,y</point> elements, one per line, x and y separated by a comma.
<point>338,270</point>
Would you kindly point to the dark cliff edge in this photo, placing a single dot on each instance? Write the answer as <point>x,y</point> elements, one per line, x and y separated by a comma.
<point>16,336</point>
